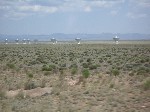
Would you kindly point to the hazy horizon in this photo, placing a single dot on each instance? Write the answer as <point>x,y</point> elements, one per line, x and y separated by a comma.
<point>70,37</point>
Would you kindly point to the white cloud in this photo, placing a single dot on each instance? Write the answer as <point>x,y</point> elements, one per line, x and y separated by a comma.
<point>105,3</point>
<point>29,7</point>
<point>87,9</point>
<point>136,16</point>
<point>141,3</point>
<point>15,15</point>
<point>138,9</point>
<point>38,8</point>
<point>114,12</point>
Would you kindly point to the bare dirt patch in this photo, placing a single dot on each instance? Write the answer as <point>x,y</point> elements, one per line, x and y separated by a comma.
<point>31,93</point>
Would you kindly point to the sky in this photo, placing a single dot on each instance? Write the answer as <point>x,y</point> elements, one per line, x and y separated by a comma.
<point>74,16</point>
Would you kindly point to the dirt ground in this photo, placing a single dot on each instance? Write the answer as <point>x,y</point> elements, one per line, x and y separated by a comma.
<point>50,78</point>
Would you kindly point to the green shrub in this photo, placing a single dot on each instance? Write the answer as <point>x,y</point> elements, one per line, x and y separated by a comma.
<point>92,67</point>
<point>108,55</point>
<point>52,66</point>
<point>43,83</point>
<point>30,75</point>
<point>74,71</point>
<point>10,65</point>
<point>115,72</point>
<point>74,65</point>
<point>89,60</point>
<point>147,70</point>
<point>129,66</point>
<point>29,85</point>
<point>141,72</point>
<point>2,94</point>
<point>101,60</point>
<point>61,71</point>
<point>81,60</point>
<point>146,85</point>
<point>63,65</point>
<point>131,73</point>
<point>85,73</point>
<point>45,68</point>
<point>85,65</point>
<point>109,61</point>
<point>111,86</point>
<point>142,60</point>
<point>46,73</point>
<point>48,68</point>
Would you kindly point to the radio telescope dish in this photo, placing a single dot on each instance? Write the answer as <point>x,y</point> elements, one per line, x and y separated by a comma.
<point>6,41</point>
<point>54,40</point>
<point>17,41</point>
<point>78,40</point>
<point>116,39</point>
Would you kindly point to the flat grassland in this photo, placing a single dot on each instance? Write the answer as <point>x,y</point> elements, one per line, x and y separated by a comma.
<point>90,77</point>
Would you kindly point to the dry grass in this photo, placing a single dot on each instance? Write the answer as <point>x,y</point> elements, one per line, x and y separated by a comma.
<point>118,78</point>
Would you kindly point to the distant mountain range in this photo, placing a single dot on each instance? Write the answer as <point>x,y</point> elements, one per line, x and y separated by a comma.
<point>71,37</point>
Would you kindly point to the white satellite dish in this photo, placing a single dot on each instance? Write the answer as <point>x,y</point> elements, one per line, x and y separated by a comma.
<point>54,40</point>
<point>6,41</point>
<point>116,39</point>
<point>17,41</point>
<point>78,40</point>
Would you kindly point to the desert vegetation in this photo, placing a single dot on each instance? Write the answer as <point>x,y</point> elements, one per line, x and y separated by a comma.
<point>82,78</point>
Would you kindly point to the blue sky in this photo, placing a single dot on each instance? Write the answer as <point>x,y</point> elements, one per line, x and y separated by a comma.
<point>74,16</point>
